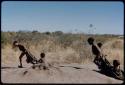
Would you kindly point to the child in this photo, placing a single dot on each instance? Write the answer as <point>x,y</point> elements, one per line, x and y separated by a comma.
<point>41,62</point>
<point>119,74</point>
<point>116,66</point>
<point>24,52</point>
<point>103,64</point>
<point>95,50</point>
<point>99,45</point>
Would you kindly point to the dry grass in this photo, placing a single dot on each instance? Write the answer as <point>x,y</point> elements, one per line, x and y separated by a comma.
<point>63,48</point>
<point>115,50</point>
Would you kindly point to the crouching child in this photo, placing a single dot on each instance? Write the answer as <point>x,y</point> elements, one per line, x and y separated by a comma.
<point>41,63</point>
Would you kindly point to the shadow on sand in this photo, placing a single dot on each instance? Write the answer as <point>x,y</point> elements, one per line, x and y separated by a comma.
<point>72,67</point>
<point>7,67</point>
<point>101,73</point>
<point>107,75</point>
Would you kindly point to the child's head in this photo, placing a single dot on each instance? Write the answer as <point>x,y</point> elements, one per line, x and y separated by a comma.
<point>15,43</point>
<point>116,63</point>
<point>99,44</point>
<point>42,55</point>
<point>90,40</point>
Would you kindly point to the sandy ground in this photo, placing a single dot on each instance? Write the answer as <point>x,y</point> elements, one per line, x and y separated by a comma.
<point>63,73</point>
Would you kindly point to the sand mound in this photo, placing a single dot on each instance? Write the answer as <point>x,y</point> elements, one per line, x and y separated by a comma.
<point>71,73</point>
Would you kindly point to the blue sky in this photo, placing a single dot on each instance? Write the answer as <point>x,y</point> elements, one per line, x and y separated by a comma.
<point>106,17</point>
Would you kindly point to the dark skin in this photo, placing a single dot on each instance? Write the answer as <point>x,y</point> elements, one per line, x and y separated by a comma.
<point>103,64</point>
<point>42,62</point>
<point>95,50</point>
<point>100,59</point>
<point>99,45</point>
<point>116,64</point>
<point>42,58</point>
<point>23,53</point>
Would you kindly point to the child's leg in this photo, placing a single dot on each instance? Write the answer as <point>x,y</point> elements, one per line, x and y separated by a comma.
<point>20,58</point>
<point>97,61</point>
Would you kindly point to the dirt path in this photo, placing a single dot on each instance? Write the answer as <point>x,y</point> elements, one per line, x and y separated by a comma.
<point>71,73</point>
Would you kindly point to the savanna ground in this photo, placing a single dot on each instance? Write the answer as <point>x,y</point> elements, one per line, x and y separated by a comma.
<point>63,50</point>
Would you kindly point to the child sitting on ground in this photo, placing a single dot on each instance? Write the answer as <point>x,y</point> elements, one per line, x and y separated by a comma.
<point>116,66</point>
<point>41,62</point>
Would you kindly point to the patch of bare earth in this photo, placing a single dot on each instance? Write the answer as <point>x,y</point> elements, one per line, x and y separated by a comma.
<point>65,73</point>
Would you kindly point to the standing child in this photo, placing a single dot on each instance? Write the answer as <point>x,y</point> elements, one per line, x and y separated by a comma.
<point>95,50</point>
<point>23,53</point>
